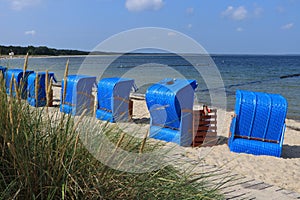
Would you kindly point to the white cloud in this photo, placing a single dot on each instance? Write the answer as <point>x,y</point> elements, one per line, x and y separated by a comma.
<point>258,11</point>
<point>190,11</point>
<point>140,5</point>
<point>280,9</point>
<point>239,13</point>
<point>171,34</point>
<point>228,11</point>
<point>32,32</point>
<point>287,26</point>
<point>20,4</point>
<point>239,29</point>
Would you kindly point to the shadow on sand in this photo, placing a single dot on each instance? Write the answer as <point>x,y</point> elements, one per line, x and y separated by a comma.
<point>143,120</point>
<point>289,151</point>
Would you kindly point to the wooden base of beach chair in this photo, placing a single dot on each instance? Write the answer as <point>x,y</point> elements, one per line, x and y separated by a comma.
<point>50,101</point>
<point>204,128</point>
<point>130,109</point>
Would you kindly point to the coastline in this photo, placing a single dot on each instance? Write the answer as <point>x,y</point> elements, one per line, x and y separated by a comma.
<point>141,97</point>
<point>44,56</point>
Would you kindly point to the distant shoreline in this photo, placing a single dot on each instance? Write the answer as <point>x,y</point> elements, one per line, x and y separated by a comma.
<point>44,51</point>
<point>50,56</point>
<point>142,54</point>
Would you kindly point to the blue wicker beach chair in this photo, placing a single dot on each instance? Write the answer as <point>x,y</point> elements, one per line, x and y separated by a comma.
<point>41,99</point>
<point>21,79</point>
<point>170,103</point>
<point>259,125</point>
<point>78,94</point>
<point>113,99</point>
<point>2,71</point>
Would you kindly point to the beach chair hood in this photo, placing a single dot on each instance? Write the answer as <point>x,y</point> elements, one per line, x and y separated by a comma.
<point>259,125</point>
<point>78,94</point>
<point>170,103</point>
<point>113,99</point>
<point>41,99</point>
<point>18,75</point>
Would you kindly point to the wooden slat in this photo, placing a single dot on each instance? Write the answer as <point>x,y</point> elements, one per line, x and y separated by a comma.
<point>207,117</point>
<point>204,123</point>
<point>204,128</point>
<point>205,138</point>
<point>206,133</point>
<point>207,124</point>
<point>199,141</point>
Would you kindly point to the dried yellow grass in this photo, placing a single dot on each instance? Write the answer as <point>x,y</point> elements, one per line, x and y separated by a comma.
<point>36,89</point>
<point>46,85</point>
<point>11,106</point>
<point>65,81</point>
<point>17,91</point>
<point>143,143</point>
<point>19,102</point>
<point>120,141</point>
<point>49,91</point>
<point>25,65</point>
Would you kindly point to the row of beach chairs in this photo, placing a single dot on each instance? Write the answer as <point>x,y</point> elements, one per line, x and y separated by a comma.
<point>257,127</point>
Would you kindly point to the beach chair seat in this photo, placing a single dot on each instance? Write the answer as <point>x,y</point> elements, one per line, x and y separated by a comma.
<point>170,103</point>
<point>40,100</point>
<point>256,147</point>
<point>78,94</point>
<point>21,80</point>
<point>259,123</point>
<point>113,99</point>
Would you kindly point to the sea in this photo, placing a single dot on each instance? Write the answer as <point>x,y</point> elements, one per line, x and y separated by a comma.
<point>216,75</point>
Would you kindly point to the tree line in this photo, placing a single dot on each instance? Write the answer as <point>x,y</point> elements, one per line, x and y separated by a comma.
<point>41,50</point>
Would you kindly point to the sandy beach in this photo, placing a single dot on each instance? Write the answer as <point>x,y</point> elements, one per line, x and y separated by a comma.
<point>283,172</point>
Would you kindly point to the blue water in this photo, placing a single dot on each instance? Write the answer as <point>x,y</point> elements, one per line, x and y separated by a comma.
<point>256,73</point>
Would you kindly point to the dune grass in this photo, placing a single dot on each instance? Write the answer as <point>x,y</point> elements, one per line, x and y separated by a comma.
<point>43,157</point>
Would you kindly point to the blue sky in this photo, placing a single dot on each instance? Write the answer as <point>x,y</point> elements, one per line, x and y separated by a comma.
<point>220,26</point>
